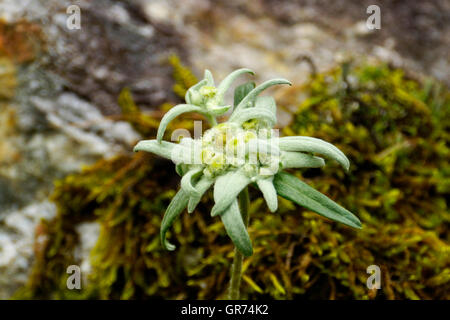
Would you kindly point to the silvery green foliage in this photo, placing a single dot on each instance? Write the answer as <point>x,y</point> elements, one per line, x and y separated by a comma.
<point>244,150</point>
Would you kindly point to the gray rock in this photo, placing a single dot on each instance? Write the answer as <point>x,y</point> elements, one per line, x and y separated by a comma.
<point>16,244</point>
<point>115,48</point>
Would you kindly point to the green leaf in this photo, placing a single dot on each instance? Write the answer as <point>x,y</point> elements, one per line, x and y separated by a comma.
<point>172,114</point>
<point>209,78</point>
<point>269,193</point>
<point>236,230</point>
<point>267,103</point>
<point>202,186</point>
<point>309,144</point>
<point>168,150</point>
<point>226,83</point>
<point>241,91</point>
<point>218,110</point>
<point>300,160</point>
<point>176,206</point>
<point>292,188</point>
<point>251,96</point>
<point>186,181</point>
<point>226,189</point>
<point>181,169</point>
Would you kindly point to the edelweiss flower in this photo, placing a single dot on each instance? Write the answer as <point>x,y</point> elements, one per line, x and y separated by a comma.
<point>244,150</point>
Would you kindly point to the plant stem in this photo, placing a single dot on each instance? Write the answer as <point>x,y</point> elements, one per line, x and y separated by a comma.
<point>236,268</point>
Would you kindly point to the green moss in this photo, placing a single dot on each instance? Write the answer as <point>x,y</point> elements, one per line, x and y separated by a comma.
<point>395,131</point>
<point>142,123</point>
<point>8,79</point>
<point>183,76</point>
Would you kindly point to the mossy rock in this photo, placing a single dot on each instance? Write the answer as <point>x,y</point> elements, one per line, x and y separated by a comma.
<point>394,129</point>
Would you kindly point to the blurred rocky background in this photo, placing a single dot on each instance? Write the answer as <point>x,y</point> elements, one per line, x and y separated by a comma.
<point>59,88</point>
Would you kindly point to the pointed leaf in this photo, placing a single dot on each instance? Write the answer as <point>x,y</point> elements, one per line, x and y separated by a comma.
<point>181,169</point>
<point>236,230</point>
<point>168,150</point>
<point>212,120</point>
<point>226,189</point>
<point>226,83</point>
<point>241,91</point>
<point>202,186</point>
<point>174,209</point>
<point>269,193</point>
<point>267,103</point>
<point>209,78</point>
<point>300,160</point>
<point>218,110</point>
<point>292,188</point>
<point>251,96</point>
<point>186,181</point>
<point>172,114</point>
<point>309,144</point>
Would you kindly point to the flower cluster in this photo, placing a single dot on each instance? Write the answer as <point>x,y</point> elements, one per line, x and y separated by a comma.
<point>244,150</point>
